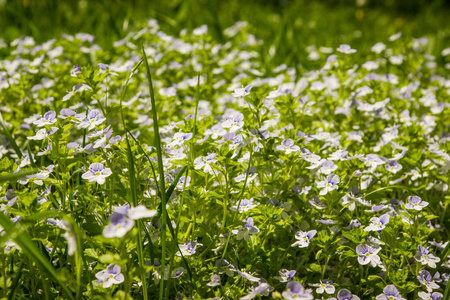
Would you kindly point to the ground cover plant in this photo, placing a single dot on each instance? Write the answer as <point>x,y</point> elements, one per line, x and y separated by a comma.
<point>182,167</point>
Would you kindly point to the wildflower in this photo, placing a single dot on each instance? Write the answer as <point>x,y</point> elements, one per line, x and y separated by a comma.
<point>11,198</point>
<point>181,183</point>
<point>214,280</point>
<point>325,286</point>
<point>414,202</point>
<point>390,292</point>
<point>203,162</point>
<point>234,122</point>
<point>353,197</point>
<point>295,291</point>
<point>345,294</point>
<point>242,92</point>
<point>122,219</point>
<point>251,175</point>
<point>285,275</point>
<point>245,231</point>
<point>110,276</point>
<point>288,146</point>
<point>425,257</point>
<point>329,184</point>
<point>48,119</point>
<point>93,119</point>
<point>66,112</point>
<point>157,272</point>
<point>258,289</point>
<point>368,254</point>
<point>346,49</point>
<point>327,167</point>
<point>216,131</point>
<point>179,138</point>
<point>247,276</point>
<point>118,226</point>
<point>373,161</point>
<point>433,296</point>
<point>75,70</point>
<point>97,172</point>
<point>245,205</point>
<point>393,166</point>
<point>378,224</point>
<point>425,278</point>
<point>43,134</point>
<point>189,248</point>
<point>303,238</point>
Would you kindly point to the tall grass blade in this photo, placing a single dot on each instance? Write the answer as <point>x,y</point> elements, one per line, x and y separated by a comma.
<point>160,171</point>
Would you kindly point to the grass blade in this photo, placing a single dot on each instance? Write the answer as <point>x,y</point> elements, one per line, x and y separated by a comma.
<point>160,171</point>
<point>11,140</point>
<point>13,177</point>
<point>133,188</point>
<point>32,252</point>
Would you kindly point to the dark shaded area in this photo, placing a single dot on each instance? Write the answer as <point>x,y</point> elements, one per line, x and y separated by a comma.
<point>283,23</point>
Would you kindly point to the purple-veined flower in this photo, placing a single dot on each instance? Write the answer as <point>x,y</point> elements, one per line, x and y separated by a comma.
<point>426,258</point>
<point>429,296</point>
<point>373,161</point>
<point>288,146</point>
<point>426,279</point>
<point>245,231</point>
<point>329,184</point>
<point>48,119</point>
<point>204,162</point>
<point>296,291</point>
<point>345,294</point>
<point>216,131</point>
<point>183,182</point>
<point>390,292</point>
<point>285,275</point>
<point>327,167</point>
<point>118,226</point>
<point>179,138</point>
<point>75,70</point>
<point>93,119</point>
<point>112,275</point>
<point>245,205</point>
<point>242,92</point>
<point>368,254</point>
<point>303,238</point>
<point>234,123</point>
<point>189,248</point>
<point>43,134</point>
<point>414,202</point>
<point>393,166</point>
<point>378,224</point>
<point>325,286</point>
<point>97,172</point>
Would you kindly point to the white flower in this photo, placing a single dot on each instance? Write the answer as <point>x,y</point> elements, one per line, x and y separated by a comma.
<point>303,238</point>
<point>238,93</point>
<point>97,172</point>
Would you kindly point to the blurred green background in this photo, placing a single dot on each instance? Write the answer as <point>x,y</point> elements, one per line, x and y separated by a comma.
<point>289,25</point>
